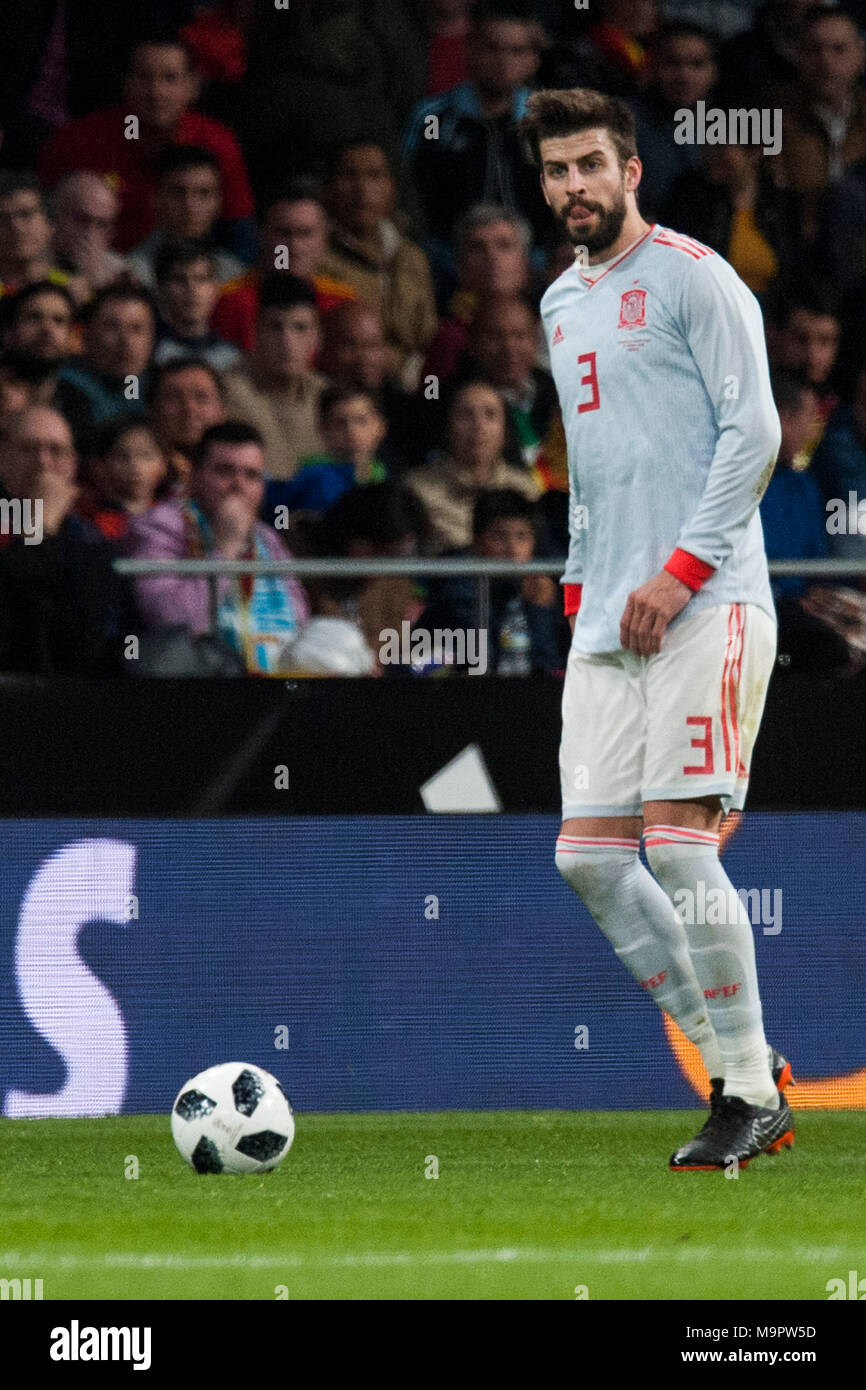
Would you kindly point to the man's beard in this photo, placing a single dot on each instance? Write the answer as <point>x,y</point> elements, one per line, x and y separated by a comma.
<point>609,225</point>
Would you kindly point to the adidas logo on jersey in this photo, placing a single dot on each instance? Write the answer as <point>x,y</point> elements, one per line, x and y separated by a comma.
<point>558,336</point>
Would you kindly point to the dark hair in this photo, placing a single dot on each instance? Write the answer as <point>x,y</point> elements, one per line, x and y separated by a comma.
<point>789,388</point>
<point>816,13</point>
<point>176,254</point>
<point>304,189</point>
<point>552,113</point>
<point>176,158</point>
<point>489,303</point>
<point>12,304</point>
<point>379,513</point>
<point>682,29</point>
<point>121,294</point>
<point>502,11</point>
<point>457,386</point>
<point>107,436</point>
<point>332,396</point>
<point>280,289</point>
<point>337,153</point>
<point>786,296</point>
<point>175,365</point>
<point>31,371</point>
<point>495,503</point>
<point>161,37</point>
<point>19,181</point>
<point>229,432</point>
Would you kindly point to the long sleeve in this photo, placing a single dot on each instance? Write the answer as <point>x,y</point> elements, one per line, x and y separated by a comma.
<point>722,324</point>
<point>573,573</point>
<point>166,600</point>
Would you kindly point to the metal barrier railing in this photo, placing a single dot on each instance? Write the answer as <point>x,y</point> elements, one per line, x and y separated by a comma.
<point>413,566</point>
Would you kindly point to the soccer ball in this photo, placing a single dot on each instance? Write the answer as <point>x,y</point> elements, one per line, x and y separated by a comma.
<point>233,1118</point>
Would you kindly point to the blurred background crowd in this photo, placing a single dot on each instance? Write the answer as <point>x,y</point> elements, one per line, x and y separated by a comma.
<point>269,284</point>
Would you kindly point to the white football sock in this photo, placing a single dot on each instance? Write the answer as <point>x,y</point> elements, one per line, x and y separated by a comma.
<point>686,864</point>
<point>638,920</point>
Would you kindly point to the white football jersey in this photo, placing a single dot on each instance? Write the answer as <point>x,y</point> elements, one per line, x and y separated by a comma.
<point>662,374</point>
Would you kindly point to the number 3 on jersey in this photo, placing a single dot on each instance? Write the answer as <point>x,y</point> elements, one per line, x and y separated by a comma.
<point>590,380</point>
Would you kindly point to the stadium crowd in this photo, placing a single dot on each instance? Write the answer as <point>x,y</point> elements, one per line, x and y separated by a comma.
<point>269,285</point>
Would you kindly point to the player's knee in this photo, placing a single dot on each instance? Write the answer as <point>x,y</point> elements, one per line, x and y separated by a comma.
<point>596,875</point>
<point>674,864</point>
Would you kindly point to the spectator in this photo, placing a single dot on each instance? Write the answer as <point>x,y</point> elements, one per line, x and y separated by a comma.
<point>450,485</point>
<point>62,607</point>
<point>187,397</point>
<point>379,520</point>
<point>620,40</point>
<point>159,92</point>
<point>732,205</point>
<point>766,56</point>
<point>188,200</point>
<point>527,631</point>
<point>39,338</point>
<point>682,71</point>
<point>275,390</point>
<point>125,474</point>
<point>111,376</point>
<point>294,237</point>
<point>84,209</point>
<point>815,619</point>
<point>367,251</point>
<point>446,53</point>
<point>355,355</point>
<point>611,57</point>
<point>476,151</point>
<point>256,615</point>
<point>38,324</point>
<point>61,57</point>
<point>804,327</point>
<point>216,37</point>
<point>353,428</point>
<point>492,250</point>
<point>18,389</point>
<point>26,253</point>
<point>824,112</point>
<point>843,235</point>
<point>504,350</point>
<point>328,73</point>
<point>839,465</point>
<point>792,508</point>
<point>187,283</point>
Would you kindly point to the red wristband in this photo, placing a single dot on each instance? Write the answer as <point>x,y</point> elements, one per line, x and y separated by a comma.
<point>689,569</point>
<point>573,595</point>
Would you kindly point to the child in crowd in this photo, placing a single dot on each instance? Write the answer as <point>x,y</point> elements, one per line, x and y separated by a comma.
<point>353,427</point>
<point>125,474</point>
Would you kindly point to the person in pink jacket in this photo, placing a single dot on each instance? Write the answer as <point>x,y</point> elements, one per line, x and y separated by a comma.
<point>257,617</point>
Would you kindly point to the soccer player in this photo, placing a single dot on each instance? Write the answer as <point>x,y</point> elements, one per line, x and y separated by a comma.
<point>658,353</point>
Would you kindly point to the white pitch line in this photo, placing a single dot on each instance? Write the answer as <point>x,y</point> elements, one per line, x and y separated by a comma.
<point>385,1259</point>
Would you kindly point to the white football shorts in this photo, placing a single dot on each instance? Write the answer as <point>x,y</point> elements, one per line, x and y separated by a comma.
<point>673,726</point>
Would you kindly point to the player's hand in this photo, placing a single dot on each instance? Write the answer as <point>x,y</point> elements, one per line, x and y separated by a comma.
<point>649,610</point>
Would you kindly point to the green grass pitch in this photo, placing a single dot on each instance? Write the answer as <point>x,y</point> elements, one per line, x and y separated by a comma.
<point>527,1205</point>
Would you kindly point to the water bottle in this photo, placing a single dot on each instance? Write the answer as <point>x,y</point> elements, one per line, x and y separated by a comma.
<point>515,658</point>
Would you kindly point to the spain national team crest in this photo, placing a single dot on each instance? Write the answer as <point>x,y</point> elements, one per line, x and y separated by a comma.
<point>632,310</point>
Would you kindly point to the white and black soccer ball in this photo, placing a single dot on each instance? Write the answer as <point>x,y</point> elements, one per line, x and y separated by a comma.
<point>233,1118</point>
